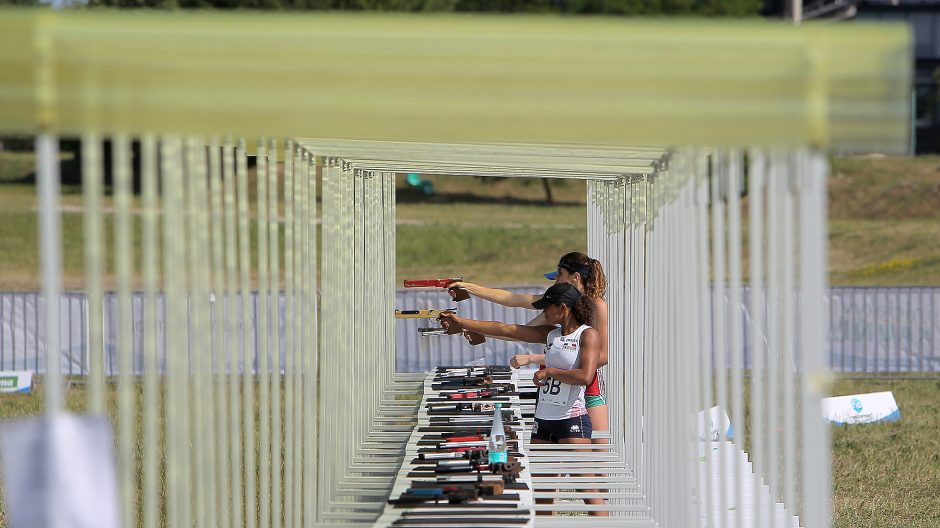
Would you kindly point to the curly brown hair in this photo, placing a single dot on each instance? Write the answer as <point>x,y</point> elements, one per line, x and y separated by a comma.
<point>595,284</point>
<point>583,310</point>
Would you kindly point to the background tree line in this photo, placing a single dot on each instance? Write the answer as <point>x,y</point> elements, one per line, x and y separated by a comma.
<point>733,8</point>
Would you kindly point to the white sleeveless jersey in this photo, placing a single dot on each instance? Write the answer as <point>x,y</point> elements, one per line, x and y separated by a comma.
<point>558,400</point>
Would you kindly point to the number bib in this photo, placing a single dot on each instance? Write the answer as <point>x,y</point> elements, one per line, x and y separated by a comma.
<point>559,400</point>
<point>554,392</point>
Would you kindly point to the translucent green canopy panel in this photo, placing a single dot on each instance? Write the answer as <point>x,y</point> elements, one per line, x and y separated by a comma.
<point>598,81</point>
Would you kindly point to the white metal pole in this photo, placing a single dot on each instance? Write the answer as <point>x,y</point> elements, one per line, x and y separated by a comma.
<point>47,175</point>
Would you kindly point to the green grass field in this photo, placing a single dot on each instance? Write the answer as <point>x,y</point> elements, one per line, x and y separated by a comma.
<point>884,220</point>
<point>884,475</point>
<point>888,475</point>
<point>884,216</point>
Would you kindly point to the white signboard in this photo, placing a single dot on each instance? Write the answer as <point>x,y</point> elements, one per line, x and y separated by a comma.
<point>716,420</point>
<point>861,408</point>
<point>16,380</point>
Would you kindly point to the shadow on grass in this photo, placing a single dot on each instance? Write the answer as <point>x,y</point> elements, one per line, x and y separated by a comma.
<point>70,173</point>
<point>412,196</point>
<point>70,167</point>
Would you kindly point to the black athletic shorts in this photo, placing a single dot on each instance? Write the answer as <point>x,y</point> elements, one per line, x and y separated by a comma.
<point>555,430</point>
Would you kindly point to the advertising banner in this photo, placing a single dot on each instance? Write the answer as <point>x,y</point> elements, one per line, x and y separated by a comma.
<point>16,381</point>
<point>861,408</point>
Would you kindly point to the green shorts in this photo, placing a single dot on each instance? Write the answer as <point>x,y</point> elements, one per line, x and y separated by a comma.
<point>594,401</point>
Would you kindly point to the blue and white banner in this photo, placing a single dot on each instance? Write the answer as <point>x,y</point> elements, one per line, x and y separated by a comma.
<point>16,381</point>
<point>861,408</point>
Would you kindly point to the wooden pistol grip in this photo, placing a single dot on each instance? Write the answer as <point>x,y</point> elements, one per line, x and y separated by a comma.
<point>459,294</point>
<point>474,338</point>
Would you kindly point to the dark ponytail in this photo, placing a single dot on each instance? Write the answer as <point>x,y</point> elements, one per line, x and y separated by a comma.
<point>583,310</point>
<point>595,282</point>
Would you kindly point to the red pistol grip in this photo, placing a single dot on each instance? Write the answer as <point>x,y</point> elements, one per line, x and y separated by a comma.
<point>465,438</point>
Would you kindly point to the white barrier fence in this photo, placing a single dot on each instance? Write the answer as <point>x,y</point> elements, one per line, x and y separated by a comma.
<point>872,329</point>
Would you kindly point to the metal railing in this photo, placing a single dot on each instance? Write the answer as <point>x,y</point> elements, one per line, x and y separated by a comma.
<point>872,330</point>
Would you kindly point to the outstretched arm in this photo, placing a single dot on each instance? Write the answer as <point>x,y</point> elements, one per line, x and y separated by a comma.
<point>587,363</point>
<point>538,320</point>
<point>503,297</point>
<point>520,360</point>
<point>529,334</point>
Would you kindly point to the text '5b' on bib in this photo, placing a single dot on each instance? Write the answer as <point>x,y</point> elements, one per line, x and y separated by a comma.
<point>554,392</point>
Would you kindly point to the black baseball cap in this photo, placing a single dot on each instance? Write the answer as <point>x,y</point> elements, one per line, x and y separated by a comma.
<point>562,293</point>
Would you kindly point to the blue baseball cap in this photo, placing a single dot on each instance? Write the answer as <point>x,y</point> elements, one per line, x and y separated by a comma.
<point>585,271</point>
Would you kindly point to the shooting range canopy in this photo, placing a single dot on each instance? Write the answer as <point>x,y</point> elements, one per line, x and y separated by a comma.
<point>552,161</point>
<point>461,79</point>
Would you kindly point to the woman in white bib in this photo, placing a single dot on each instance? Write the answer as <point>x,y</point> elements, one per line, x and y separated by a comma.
<point>572,349</point>
<point>571,354</point>
<point>587,275</point>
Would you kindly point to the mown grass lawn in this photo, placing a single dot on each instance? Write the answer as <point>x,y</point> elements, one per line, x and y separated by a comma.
<point>887,475</point>
<point>504,234</point>
<point>884,225</point>
<point>884,475</point>
<point>884,220</point>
